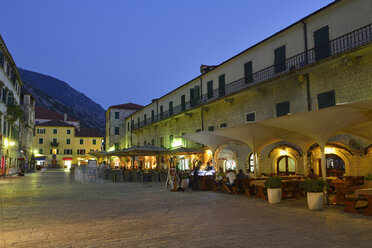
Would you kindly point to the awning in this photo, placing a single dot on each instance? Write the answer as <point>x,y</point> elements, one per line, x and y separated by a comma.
<point>40,158</point>
<point>67,159</point>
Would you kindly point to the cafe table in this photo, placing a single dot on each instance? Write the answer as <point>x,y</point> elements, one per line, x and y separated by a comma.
<point>367,193</point>
<point>260,185</point>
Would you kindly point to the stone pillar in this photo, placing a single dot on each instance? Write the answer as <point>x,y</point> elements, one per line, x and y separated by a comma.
<point>306,171</point>
<point>323,162</point>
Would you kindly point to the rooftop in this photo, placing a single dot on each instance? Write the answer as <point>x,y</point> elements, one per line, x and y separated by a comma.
<point>43,113</point>
<point>88,132</point>
<point>55,123</point>
<point>127,106</point>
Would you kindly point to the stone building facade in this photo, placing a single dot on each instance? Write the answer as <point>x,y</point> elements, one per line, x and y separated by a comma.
<point>323,60</point>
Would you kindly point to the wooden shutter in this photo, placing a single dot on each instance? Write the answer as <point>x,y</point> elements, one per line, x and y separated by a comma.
<point>192,97</point>
<point>321,43</point>
<point>279,62</point>
<point>282,108</point>
<point>221,85</point>
<point>326,99</point>
<point>210,89</point>
<point>248,75</point>
<point>183,103</point>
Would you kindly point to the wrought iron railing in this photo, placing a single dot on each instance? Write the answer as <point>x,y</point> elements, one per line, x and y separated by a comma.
<point>336,46</point>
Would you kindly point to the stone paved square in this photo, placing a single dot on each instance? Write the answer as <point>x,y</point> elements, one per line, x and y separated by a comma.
<point>50,209</point>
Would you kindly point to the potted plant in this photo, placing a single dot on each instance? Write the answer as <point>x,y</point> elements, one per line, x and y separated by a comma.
<point>274,189</point>
<point>185,181</point>
<point>315,193</point>
<point>368,180</point>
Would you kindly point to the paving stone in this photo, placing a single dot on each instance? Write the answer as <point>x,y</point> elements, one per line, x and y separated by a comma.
<point>49,209</point>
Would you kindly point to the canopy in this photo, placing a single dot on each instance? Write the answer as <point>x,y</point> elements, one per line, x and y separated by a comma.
<point>184,150</point>
<point>209,139</point>
<point>147,150</point>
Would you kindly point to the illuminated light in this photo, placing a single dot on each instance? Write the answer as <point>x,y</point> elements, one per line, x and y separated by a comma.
<point>176,142</point>
<point>36,152</point>
<point>328,150</point>
<point>111,149</point>
<point>209,152</point>
<point>6,143</point>
<point>11,143</point>
<point>283,153</point>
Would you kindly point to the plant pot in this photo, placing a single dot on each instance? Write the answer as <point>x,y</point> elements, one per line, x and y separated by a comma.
<point>185,183</point>
<point>274,195</point>
<point>315,200</point>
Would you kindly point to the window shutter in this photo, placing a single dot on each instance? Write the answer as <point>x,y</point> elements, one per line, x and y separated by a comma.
<point>279,61</point>
<point>248,76</point>
<point>321,43</point>
<point>221,85</point>
<point>326,99</point>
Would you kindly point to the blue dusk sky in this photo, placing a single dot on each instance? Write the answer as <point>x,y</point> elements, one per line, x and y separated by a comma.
<point>119,51</point>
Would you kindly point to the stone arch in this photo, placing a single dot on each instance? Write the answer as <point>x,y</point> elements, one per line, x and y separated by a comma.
<point>241,152</point>
<point>277,155</point>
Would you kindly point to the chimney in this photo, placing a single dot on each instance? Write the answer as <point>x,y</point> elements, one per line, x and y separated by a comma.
<point>65,117</point>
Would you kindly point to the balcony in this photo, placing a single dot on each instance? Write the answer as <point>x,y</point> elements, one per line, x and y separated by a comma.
<point>334,47</point>
<point>54,143</point>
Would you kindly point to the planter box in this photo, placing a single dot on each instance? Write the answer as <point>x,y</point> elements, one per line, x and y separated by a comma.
<point>185,183</point>
<point>274,195</point>
<point>315,200</point>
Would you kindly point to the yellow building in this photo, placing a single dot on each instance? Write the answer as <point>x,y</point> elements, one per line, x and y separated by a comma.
<point>60,144</point>
<point>319,65</point>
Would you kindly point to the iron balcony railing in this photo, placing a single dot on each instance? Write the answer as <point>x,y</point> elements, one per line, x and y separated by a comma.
<point>53,143</point>
<point>336,46</point>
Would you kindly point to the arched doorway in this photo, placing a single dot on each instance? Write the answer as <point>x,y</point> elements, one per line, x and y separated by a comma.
<point>286,165</point>
<point>251,163</point>
<point>335,165</point>
<point>227,158</point>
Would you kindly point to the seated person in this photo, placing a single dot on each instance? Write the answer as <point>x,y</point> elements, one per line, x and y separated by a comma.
<point>220,176</point>
<point>240,175</point>
<point>231,178</point>
<point>208,167</point>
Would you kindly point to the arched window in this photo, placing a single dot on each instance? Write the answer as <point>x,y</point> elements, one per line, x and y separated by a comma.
<point>251,162</point>
<point>335,165</point>
<point>286,165</point>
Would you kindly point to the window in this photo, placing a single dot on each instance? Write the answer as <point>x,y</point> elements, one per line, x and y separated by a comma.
<point>144,118</point>
<point>5,93</point>
<point>138,121</point>
<point>197,94</point>
<point>250,117</point>
<point>251,162</point>
<point>68,131</point>
<point>326,99</point>
<point>40,151</point>
<point>321,43</point>
<point>116,130</point>
<point>161,142</point>
<point>55,131</point>
<point>223,125</point>
<point>54,141</point>
<point>67,151</point>
<point>282,108</point>
<point>210,89</point>
<point>198,130</point>
<point>93,141</point>
<point>51,151</point>
<point>279,61</point>
<point>170,108</point>
<point>286,165</point>
<point>81,141</point>
<point>153,142</point>
<point>221,85</point>
<point>128,125</point>
<point>116,146</point>
<point>68,141</point>
<point>152,116</point>
<point>117,115</point>
<point>183,103</point>
<point>192,97</point>
<point>211,128</point>
<point>41,141</point>
<point>80,151</point>
<point>41,130</point>
<point>184,141</point>
<point>248,75</point>
<point>144,143</point>
<point>161,112</point>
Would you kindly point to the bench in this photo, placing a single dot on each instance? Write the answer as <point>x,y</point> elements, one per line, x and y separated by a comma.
<point>350,203</point>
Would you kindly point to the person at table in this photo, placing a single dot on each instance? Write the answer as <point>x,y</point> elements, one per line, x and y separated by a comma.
<point>231,179</point>
<point>312,175</point>
<point>196,176</point>
<point>220,176</point>
<point>240,175</point>
<point>209,166</point>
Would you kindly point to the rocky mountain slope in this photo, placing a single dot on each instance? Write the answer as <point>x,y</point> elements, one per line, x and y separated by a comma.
<point>59,96</point>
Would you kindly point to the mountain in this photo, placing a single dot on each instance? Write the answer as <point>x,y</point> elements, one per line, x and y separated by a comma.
<point>59,96</point>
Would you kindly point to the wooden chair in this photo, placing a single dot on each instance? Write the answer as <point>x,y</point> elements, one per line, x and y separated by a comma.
<point>350,203</point>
